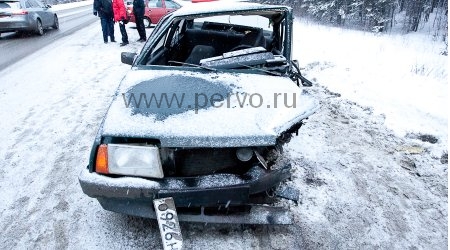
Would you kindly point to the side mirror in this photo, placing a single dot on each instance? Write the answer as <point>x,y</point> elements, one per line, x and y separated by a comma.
<point>127,57</point>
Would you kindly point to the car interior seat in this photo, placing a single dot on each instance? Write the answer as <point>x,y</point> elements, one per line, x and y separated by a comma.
<point>200,52</point>
<point>254,38</point>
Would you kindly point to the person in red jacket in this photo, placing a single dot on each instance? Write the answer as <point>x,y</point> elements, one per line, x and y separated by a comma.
<point>120,15</point>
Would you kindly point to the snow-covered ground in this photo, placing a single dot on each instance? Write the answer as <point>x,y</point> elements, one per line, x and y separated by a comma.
<point>67,6</point>
<point>365,178</point>
<point>403,77</point>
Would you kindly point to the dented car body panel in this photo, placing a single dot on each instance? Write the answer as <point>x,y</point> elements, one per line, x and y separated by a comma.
<point>202,117</point>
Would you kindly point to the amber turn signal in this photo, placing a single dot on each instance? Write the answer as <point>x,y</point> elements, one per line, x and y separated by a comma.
<point>101,163</point>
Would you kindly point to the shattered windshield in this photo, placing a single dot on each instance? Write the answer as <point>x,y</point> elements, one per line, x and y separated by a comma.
<point>238,41</point>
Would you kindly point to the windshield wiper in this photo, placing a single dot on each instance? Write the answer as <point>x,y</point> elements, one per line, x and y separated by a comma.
<point>262,70</point>
<point>193,65</point>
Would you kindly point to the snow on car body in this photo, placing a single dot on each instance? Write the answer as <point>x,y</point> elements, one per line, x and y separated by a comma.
<point>202,117</point>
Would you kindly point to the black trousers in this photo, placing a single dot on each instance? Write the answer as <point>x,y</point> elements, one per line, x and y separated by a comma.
<point>123,31</point>
<point>140,26</point>
<point>107,28</point>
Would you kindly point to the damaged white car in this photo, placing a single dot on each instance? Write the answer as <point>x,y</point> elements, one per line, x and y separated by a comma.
<point>202,117</point>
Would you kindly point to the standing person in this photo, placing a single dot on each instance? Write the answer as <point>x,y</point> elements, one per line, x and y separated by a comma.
<point>120,15</point>
<point>139,11</point>
<point>104,10</point>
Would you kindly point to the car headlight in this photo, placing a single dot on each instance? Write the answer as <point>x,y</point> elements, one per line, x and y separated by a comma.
<point>129,160</point>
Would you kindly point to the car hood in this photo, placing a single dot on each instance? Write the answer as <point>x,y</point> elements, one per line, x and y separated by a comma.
<point>195,109</point>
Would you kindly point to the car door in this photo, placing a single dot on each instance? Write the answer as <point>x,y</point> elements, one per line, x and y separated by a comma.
<point>43,12</point>
<point>47,13</point>
<point>155,10</point>
<point>171,6</point>
<point>34,10</point>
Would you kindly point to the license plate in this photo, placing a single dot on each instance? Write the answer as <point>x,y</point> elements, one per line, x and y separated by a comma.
<point>170,230</point>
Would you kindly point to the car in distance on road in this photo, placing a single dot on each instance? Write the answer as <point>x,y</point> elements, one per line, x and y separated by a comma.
<point>26,15</point>
<point>202,118</point>
<point>154,10</point>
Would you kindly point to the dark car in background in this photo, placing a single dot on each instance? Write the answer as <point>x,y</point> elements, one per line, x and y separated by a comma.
<point>154,10</point>
<point>26,15</point>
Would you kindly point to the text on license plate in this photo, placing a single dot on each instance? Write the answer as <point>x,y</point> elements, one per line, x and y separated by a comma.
<point>167,217</point>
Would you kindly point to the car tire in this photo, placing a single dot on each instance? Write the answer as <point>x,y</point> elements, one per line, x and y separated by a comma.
<point>56,23</point>
<point>39,27</point>
<point>147,22</point>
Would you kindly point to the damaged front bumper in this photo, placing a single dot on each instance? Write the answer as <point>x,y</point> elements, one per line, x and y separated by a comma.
<point>210,198</point>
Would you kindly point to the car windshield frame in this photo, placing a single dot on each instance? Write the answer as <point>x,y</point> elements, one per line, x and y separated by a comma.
<point>164,28</point>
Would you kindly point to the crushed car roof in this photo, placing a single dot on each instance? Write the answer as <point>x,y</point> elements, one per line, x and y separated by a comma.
<point>222,7</point>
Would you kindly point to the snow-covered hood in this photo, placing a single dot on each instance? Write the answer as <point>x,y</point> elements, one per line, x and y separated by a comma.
<point>196,109</point>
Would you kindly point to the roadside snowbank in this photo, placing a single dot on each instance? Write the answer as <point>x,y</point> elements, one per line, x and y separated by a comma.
<point>370,171</point>
<point>403,77</point>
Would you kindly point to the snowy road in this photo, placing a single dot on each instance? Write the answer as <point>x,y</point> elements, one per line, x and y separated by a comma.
<point>362,185</point>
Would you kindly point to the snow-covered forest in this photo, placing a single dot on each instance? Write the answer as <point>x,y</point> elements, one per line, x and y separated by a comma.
<point>376,15</point>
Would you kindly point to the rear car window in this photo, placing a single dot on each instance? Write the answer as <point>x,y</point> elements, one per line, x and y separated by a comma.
<point>9,5</point>
<point>247,20</point>
<point>155,4</point>
<point>172,5</point>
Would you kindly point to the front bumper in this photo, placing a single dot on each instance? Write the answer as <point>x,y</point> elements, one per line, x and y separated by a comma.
<point>134,196</point>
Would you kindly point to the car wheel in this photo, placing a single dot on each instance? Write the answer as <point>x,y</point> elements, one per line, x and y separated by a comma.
<point>56,23</point>
<point>147,22</point>
<point>39,28</point>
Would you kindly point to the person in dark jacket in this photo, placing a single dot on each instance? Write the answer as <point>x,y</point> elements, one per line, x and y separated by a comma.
<point>139,11</point>
<point>120,15</point>
<point>104,10</point>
